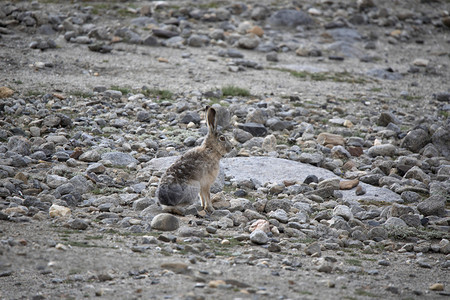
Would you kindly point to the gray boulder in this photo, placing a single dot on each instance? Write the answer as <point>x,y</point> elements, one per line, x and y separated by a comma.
<point>165,222</point>
<point>416,139</point>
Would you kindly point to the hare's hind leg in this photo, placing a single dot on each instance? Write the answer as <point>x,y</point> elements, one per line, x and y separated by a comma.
<point>205,197</point>
<point>202,198</point>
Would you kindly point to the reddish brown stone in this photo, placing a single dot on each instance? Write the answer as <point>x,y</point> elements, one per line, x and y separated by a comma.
<point>348,184</point>
<point>355,151</point>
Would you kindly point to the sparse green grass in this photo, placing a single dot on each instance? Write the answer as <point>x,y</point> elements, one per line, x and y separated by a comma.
<point>354,262</point>
<point>445,114</point>
<point>375,202</point>
<point>93,237</point>
<point>98,7</point>
<point>124,12</point>
<point>83,244</point>
<point>235,91</point>
<point>66,232</point>
<point>74,271</point>
<point>33,93</point>
<point>336,77</point>
<point>158,93</point>
<point>348,100</point>
<point>411,98</point>
<point>212,4</point>
<point>123,90</point>
<point>401,233</point>
<point>107,190</point>
<point>126,234</point>
<point>81,94</point>
<point>361,292</point>
<point>376,89</point>
<point>218,101</point>
<point>304,293</point>
<point>220,249</point>
<point>298,74</point>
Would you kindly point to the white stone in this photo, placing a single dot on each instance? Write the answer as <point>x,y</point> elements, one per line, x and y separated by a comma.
<point>59,211</point>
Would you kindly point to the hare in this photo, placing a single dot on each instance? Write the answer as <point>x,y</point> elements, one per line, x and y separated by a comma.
<point>195,171</point>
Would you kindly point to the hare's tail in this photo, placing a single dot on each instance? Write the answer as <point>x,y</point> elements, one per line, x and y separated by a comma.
<point>177,194</point>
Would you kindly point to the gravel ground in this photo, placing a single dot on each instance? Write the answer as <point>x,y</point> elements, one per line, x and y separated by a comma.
<point>337,186</point>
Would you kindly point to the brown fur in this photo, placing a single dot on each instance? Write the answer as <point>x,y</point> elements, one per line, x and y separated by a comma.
<point>196,170</point>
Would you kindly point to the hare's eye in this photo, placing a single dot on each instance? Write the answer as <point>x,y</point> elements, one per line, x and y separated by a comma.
<point>222,138</point>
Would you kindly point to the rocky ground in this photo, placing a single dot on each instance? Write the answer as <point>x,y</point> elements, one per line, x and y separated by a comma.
<point>337,187</point>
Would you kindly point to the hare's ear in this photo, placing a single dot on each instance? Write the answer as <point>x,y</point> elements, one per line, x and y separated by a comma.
<point>211,119</point>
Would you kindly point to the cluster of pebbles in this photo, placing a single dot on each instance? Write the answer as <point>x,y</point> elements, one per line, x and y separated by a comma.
<point>87,163</point>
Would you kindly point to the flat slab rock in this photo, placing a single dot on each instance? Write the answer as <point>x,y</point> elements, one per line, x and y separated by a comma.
<point>272,170</point>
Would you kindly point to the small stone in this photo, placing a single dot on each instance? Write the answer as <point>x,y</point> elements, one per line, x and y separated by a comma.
<point>250,41</point>
<point>167,238</point>
<point>325,267</point>
<point>348,184</point>
<point>444,245</point>
<point>377,233</point>
<point>437,287</point>
<point>62,247</point>
<point>261,224</point>
<point>410,197</point>
<point>412,220</point>
<point>100,47</point>
<point>90,156</point>
<point>97,168</point>
<point>256,30</point>
<point>343,211</point>
<point>386,118</point>
<point>211,229</point>
<point>19,145</point>
<point>105,277</point>
<point>176,267</point>
<point>59,211</point>
<point>311,179</point>
<point>443,97</point>
<point>421,62</point>
<point>119,159</point>
<point>55,181</point>
<point>433,206</point>
<point>417,173</point>
<point>5,92</point>
<point>398,210</point>
<point>259,237</point>
<point>142,204</point>
<point>313,249</point>
<point>272,56</point>
<point>332,184</point>
<point>257,130</point>
<point>384,262</point>
<point>329,139</point>
<point>415,140</point>
<point>273,247</point>
<point>165,222</point>
<point>382,150</point>
<point>360,190</point>
<point>393,289</point>
<point>290,18</point>
<point>279,215</point>
<point>393,222</point>
<point>216,283</point>
<point>78,224</point>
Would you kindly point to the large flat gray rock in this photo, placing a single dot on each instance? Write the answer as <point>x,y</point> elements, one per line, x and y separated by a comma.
<point>270,170</point>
